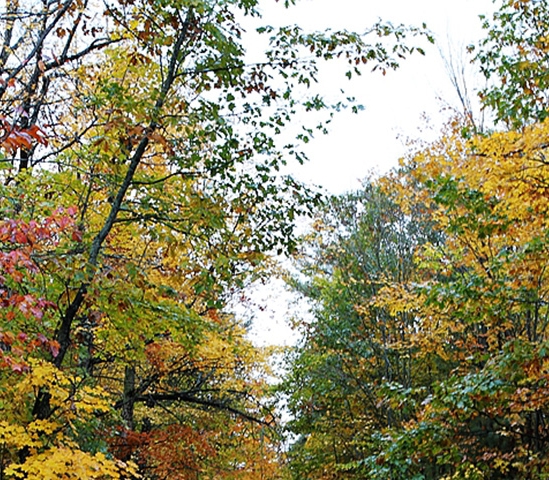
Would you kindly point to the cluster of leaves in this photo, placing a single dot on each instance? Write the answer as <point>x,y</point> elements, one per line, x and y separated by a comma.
<point>514,58</point>
<point>427,354</point>
<point>22,243</point>
<point>140,190</point>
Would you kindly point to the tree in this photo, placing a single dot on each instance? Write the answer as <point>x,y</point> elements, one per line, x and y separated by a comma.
<point>474,405</point>
<point>355,348</point>
<point>483,305</point>
<point>459,388</point>
<point>513,57</point>
<point>140,191</point>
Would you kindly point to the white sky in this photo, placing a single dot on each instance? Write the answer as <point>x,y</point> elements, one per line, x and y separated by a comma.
<point>406,104</point>
<point>395,104</point>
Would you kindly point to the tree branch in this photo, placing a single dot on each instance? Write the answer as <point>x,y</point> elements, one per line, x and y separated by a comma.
<point>153,398</point>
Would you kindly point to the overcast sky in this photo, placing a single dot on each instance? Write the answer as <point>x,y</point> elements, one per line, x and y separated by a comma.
<point>405,105</point>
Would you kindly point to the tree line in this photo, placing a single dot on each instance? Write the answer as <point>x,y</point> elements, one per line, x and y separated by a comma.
<point>426,357</point>
<point>141,191</point>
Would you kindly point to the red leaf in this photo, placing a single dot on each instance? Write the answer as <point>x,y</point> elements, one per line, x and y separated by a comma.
<point>54,348</point>
<point>19,367</point>
<point>37,312</point>
<point>7,338</point>
<point>22,336</point>
<point>20,237</point>
<point>76,235</point>
<point>38,134</point>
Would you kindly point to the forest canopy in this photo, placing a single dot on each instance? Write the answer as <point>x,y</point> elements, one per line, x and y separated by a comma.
<point>140,191</point>
<point>427,353</point>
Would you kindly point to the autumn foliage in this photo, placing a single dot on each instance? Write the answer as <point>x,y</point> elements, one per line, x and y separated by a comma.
<point>140,192</point>
<point>427,354</point>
